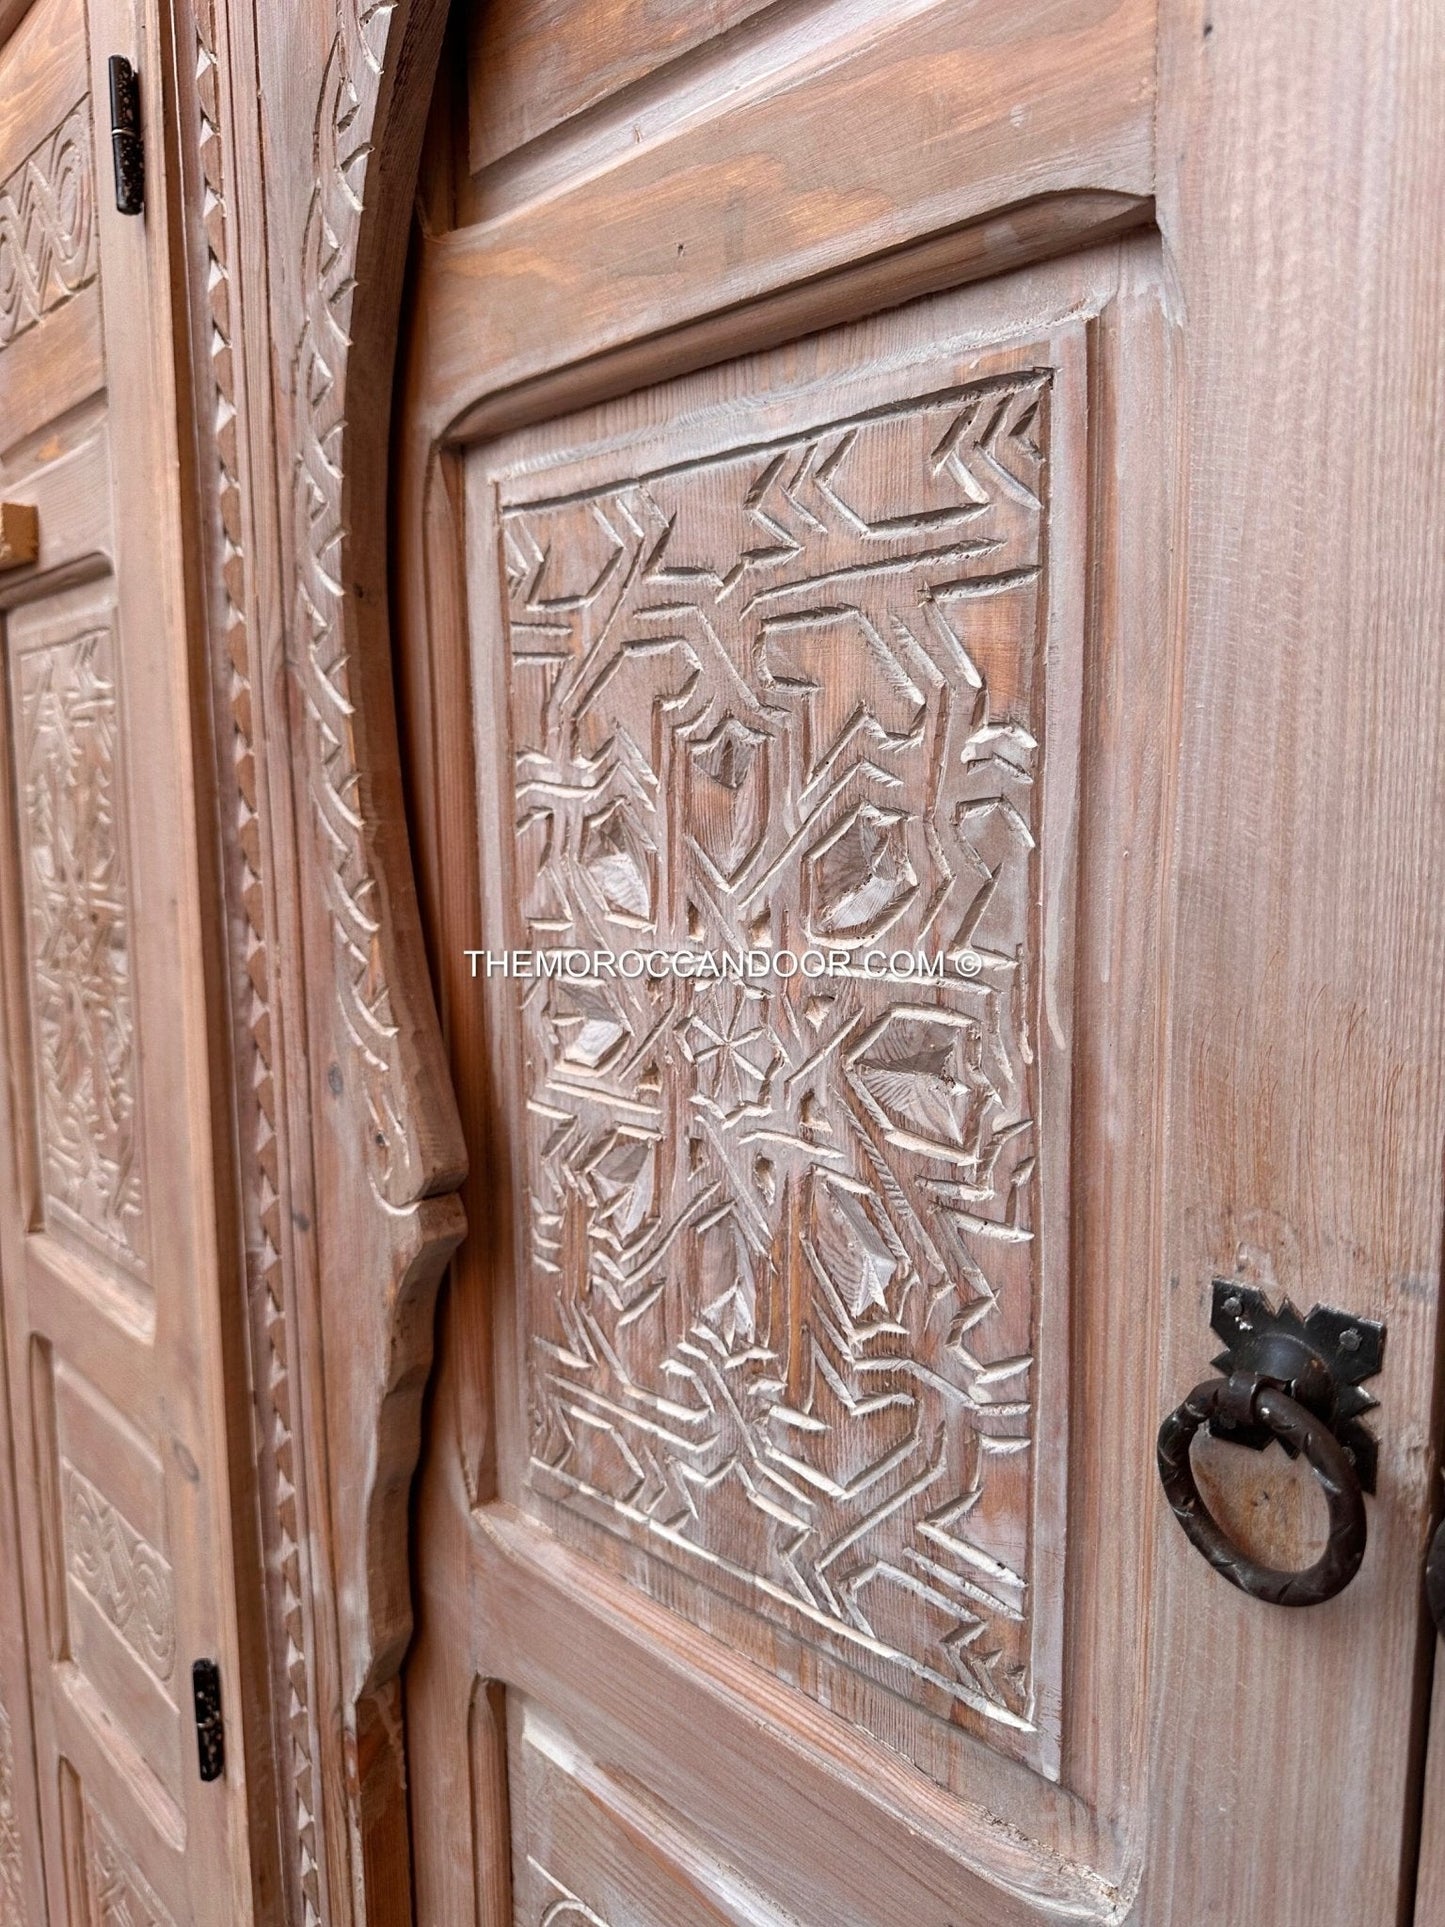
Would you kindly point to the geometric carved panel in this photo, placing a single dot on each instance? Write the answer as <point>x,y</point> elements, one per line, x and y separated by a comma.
<point>107,1541</point>
<point>48,242</point>
<point>78,916</point>
<point>777,1232</point>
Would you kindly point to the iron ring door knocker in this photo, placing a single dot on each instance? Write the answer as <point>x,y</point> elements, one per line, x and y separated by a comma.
<point>1296,1380</point>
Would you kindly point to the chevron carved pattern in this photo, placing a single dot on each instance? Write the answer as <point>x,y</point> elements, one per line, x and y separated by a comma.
<point>778,1232</point>
<point>279,1471</point>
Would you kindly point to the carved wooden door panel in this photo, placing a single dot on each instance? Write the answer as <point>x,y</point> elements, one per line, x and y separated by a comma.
<point>109,1229</point>
<point>789,656</point>
<point>867,947</point>
<point>776,699</point>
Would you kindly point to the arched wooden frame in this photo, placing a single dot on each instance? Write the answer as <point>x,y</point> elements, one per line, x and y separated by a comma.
<point>300,138</point>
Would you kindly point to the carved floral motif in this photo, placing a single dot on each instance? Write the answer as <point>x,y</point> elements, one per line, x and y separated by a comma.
<point>79,918</point>
<point>125,1576</point>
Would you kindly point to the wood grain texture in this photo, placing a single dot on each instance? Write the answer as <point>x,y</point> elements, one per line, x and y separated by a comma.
<point>12,13</point>
<point>1124,787</point>
<point>12,1869</point>
<point>437,701</point>
<point>1430,1870</point>
<point>1232,883</point>
<point>534,66</point>
<point>277,1626</point>
<point>21,1852</point>
<point>72,829</point>
<point>354,1121</point>
<point>797,201</point>
<point>47,225</point>
<point>1294,1079</point>
<point>49,235</point>
<point>749,1207</point>
<point>1307,1088</point>
<point>114,1224</point>
<point>19,534</point>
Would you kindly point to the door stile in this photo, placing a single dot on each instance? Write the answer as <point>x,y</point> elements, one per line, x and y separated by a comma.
<point>118,1299</point>
<point>155,435</point>
<point>1307,1038</point>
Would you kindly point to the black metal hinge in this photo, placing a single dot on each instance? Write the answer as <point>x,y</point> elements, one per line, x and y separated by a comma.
<point>210,1727</point>
<point>126,145</point>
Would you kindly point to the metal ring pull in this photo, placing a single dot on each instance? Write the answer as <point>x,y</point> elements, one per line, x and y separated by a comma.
<point>1267,1405</point>
<point>1296,1381</point>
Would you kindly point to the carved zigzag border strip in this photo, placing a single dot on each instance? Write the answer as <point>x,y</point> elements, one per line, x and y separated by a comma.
<point>283,1501</point>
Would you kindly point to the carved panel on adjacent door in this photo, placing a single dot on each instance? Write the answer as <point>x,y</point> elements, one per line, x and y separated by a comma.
<point>123,1575</point>
<point>119,1611</point>
<point>787,696</point>
<point>117,1243</point>
<point>120,1894</point>
<point>74,875</point>
<point>48,246</point>
<point>51,354</point>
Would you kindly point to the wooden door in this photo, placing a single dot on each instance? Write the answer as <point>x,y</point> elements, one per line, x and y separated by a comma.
<point>880,483</point>
<point>111,1226</point>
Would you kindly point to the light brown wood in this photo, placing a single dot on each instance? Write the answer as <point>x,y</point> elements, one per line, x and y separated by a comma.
<point>859,474</point>
<point>1430,1879</point>
<point>464,1402</point>
<point>349,1151</point>
<point>1306,1100</point>
<point>1031,1872</point>
<point>50,231</point>
<point>114,1229</point>
<point>711,1123</point>
<point>21,1852</point>
<point>801,203</point>
<point>533,66</point>
<point>1061,1828</point>
<point>671,1754</point>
